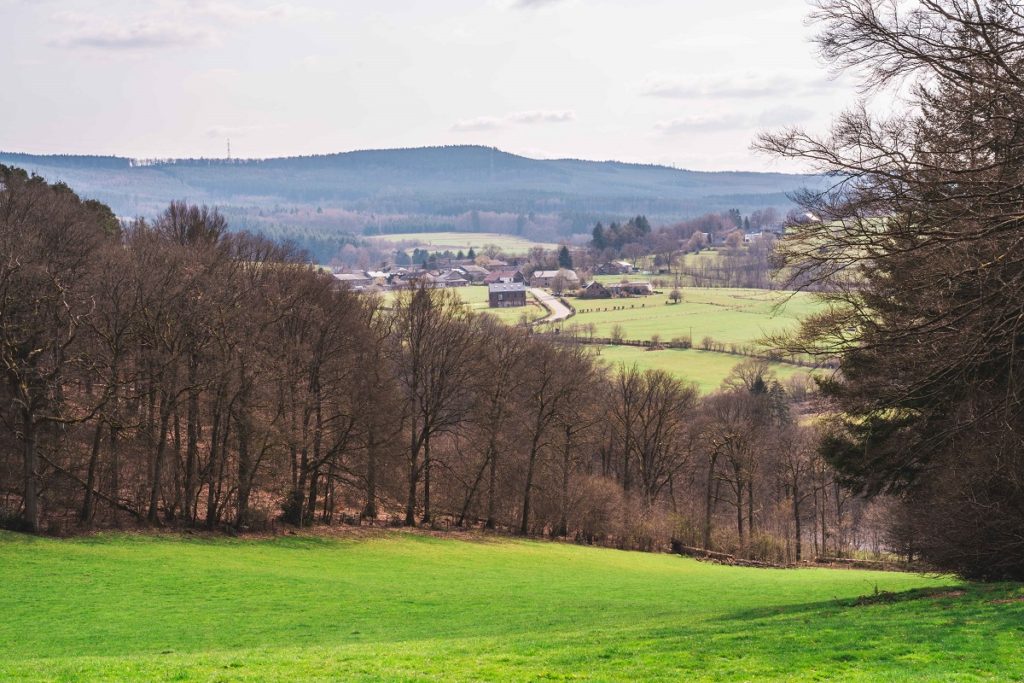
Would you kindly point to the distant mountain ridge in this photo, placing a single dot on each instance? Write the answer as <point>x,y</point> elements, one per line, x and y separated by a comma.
<point>465,188</point>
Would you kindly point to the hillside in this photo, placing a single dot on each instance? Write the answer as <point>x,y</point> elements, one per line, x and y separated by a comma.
<point>432,188</point>
<point>399,606</point>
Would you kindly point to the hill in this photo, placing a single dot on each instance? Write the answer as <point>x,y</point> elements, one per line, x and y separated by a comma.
<point>412,607</point>
<point>463,188</point>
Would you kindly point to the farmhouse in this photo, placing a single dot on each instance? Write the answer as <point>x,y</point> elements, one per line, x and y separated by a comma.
<point>545,278</point>
<point>637,288</point>
<point>452,278</point>
<point>595,290</point>
<point>492,263</point>
<point>506,294</point>
<point>475,273</point>
<point>505,276</point>
<point>354,280</point>
<point>615,268</point>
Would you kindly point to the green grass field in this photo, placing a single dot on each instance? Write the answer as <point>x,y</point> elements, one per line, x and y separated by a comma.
<point>410,607</point>
<point>440,241</point>
<point>706,368</point>
<point>740,316</point>
<point>476,299</point>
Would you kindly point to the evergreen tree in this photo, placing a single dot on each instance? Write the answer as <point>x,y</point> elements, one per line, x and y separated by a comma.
<point>598,241</point>
<point>564,257</point>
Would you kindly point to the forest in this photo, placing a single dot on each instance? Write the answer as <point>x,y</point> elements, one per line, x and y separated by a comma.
<point>323,202</point>
<point>173,373</point>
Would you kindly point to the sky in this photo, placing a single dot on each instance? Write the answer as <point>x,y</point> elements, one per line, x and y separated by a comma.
<point>683,83</point>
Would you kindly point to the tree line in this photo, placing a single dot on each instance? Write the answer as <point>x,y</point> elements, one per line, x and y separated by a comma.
<point>918,250</point>
<point>173,373</point>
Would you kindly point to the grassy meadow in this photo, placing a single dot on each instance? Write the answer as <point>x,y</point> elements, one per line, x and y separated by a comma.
<point>412,607</point>
<point>455,241</point>
<point>732,316</point>
<point>706,368</point>
<point>476,299</point>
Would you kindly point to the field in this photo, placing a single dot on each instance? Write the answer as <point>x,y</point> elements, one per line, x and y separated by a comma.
<point>476,300</point>
<point>455,241</point>
<point>476,297</point>
<point>738,317</point>
<point>706,368</point>
<point>412,607</point>
<point>732,316</point>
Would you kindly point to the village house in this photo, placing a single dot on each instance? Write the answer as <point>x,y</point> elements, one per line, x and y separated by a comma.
<point>615,268</point>
<point>545,278</point>
<point>475,273</point>
<point>354,280</point>
<point>492,263</point>
<point>636,288</point>
<point>595,290</point>
<point>506,294</point>
<point>504,276</point>
<point>452,278</point>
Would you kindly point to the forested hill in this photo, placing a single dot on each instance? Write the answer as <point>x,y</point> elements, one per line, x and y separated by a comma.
<point>410,189</point>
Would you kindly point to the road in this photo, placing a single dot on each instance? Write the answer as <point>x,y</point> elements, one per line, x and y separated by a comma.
<point>557,311</point>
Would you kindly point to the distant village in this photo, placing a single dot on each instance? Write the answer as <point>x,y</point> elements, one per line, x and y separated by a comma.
<point>507,279</point>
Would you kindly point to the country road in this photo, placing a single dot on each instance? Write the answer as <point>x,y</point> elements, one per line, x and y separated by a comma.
<point>557,311</point>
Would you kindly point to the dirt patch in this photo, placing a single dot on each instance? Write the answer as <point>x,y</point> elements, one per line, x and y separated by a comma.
<point>887,597</point>
<point>1008,601</point>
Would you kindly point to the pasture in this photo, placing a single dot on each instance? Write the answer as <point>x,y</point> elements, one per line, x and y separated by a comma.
<point>731,316</point>
<point>706,368</point>
<point>413,607</point>
<point>456,241</point>
<point>476,300</point>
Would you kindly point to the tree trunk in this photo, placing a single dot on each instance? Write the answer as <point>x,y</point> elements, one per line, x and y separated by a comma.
<point>414,456</point>
<point>191,442</point>
<point>471,494</point>
<point>370,507</point>
<point>246,471</point>
<point>524,526</point>
<point>492,483</point>
<point>88,507</point>
<point>426,480</point>
<point>563,493</point>
<point>31,463</point>
<point>796,520</point>
<point>158,462</point>
<point>708,503</point>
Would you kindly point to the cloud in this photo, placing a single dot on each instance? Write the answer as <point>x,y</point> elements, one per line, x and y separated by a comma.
<point>703,123</point>
<point>221,132</point>
<point>232,12</point>
<point>529,118</point>
<point>782,115</point>
<point>141,35</point>
<point>479,123</point>
<point>536,116</point>
<point>534,4</point>
<point>171,24</point>
<point>741,86</point>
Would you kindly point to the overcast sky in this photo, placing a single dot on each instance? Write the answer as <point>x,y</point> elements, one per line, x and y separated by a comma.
<point>677,82</point>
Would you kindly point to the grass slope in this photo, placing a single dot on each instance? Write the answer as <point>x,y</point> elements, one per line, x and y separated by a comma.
<point>706,368</point>
<point>740,316</point>
<point>477,300</point>
<point>410,607</point>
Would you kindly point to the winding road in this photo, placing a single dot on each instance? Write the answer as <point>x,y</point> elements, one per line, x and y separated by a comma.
<point>557,311</point>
